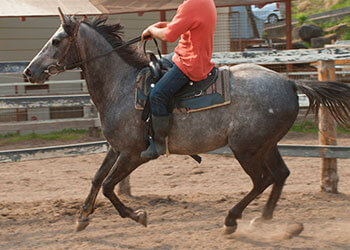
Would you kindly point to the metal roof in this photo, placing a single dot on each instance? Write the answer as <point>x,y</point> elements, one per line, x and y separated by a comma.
<point>27,8</point>
<point>125,6</point>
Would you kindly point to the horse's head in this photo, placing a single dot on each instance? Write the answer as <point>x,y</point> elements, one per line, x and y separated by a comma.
<point>58,53</point>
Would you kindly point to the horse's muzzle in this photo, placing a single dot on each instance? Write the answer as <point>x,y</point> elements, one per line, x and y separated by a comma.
<point>35,78</point>
<point>27,73</point>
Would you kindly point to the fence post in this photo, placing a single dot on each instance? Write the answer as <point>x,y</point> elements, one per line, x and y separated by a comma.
<point>327,133</point>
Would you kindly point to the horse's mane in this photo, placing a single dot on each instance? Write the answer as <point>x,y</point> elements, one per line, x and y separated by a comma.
<point>131,54</point>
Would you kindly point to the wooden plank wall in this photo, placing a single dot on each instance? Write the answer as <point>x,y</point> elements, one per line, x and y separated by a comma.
<point>22,40</point>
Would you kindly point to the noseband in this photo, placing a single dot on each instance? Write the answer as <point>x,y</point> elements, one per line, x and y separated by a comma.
<point>54,69</point>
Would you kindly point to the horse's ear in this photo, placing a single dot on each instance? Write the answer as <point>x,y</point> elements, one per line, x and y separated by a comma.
<point>64,19</point>
<point>67,23</point>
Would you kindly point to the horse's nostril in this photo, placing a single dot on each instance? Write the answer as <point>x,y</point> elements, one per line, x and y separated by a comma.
<point>28,73</point>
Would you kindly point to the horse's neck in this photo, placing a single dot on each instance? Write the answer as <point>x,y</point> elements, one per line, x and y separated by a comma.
<point>108,78</point>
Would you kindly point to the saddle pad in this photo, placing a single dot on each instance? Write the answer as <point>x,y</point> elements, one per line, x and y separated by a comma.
<point>218,94</point>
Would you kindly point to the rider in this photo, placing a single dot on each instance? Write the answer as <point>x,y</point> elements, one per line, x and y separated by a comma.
<point>195,22</point>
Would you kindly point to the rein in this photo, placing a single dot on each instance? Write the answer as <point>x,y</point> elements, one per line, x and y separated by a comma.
<point>56,68</point>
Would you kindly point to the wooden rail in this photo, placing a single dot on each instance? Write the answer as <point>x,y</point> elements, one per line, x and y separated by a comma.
<point>101,146</point>
<point>313,151</point>
<point>257,57</point>
<point>282,56</point>
<point>57,124</point>
<point>80,100</point>
<point>13,84</point>
<point>53,151</point>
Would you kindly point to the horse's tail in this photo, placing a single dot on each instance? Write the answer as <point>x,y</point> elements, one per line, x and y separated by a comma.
<point>335,96</point>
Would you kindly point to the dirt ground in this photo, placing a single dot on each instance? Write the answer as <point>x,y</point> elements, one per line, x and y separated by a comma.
<point>186,205</point>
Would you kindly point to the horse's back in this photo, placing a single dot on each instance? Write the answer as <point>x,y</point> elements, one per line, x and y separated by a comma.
<point>263,89</point>
<point>255,79</point>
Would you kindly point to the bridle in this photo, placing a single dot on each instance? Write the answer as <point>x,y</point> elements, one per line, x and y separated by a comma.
<point>58,67</point>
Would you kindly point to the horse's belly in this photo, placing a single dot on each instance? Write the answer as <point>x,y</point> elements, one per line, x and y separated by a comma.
<point>198,133</point>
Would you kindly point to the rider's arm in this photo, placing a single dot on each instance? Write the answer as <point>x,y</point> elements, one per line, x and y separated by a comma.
<point>186,18</point>
<point>183,21</point>
<point>156,30</point>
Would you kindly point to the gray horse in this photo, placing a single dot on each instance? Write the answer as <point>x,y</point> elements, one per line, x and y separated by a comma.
<point>264,106</point>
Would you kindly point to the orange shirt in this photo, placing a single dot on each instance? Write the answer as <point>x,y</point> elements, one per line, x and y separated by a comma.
<point>195,22</point>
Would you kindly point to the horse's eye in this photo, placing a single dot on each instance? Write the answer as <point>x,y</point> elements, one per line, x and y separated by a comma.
<point>55,42</point>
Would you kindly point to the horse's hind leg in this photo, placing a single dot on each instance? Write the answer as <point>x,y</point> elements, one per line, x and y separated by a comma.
<point>89,204</point>
<point>125,164</point>
<point>253,164</point>
<point>280,172</point>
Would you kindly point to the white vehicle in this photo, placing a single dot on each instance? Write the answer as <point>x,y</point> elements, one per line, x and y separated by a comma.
<point>270,13</point>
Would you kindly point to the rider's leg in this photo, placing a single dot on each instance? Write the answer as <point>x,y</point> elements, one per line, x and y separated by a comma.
<point>161,127</point>
<point>160,95</point>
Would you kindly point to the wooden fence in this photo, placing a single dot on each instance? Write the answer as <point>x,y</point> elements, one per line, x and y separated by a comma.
<point>80,100</point>
<point>318,151</point>
<point>327,150</point>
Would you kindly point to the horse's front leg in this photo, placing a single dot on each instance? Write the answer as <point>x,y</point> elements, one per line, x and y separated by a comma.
<point>125,164</point>
<point>89,204</point>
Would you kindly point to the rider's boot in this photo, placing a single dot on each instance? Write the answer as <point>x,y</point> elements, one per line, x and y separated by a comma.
<point>161,126</point>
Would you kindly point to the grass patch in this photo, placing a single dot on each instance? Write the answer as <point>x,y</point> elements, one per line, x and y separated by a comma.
<point>65,135</point>
<point>345,20</point>
<point>311,127</point>
<point>311,7</point>
<point>329,24</point>
<point>304,127</point>
<point>315,7</point>
<point>341,4</point>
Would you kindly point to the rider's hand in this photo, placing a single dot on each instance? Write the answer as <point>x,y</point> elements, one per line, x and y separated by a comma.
<point>155,31</point>
<point>146,34</point>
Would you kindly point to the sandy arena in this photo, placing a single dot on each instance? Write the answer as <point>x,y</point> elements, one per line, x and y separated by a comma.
<point>186,205</point>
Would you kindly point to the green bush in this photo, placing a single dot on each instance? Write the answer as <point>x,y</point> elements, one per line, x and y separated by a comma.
<point>346,35</point>
<point>301,17</point>
<point>307,45</point>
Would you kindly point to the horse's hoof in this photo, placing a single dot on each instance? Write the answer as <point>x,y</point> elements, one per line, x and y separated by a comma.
<point>229,229</point>
<point>82,224</point>
<point>295,229</point>
<point>142,217</point>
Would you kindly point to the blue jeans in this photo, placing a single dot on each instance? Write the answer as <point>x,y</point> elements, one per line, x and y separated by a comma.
<point>165,89</point>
